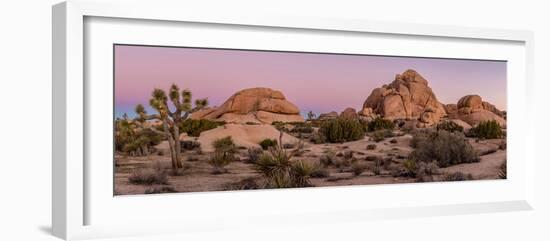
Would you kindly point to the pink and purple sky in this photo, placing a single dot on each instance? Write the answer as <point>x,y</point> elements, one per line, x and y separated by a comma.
<point>313,81</point>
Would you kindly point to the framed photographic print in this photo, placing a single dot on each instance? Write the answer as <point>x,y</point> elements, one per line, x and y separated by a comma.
<point>197,122</point>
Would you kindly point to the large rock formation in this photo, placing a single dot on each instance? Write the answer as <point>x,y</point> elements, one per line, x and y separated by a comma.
<point>472,109</point>
<point>407,97</point>
<point>257,105</point>
<point>349,113</point>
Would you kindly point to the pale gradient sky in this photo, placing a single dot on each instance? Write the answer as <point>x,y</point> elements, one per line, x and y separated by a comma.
<point>312,81</point>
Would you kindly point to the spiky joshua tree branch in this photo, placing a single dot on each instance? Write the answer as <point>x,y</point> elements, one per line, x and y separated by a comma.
<point>171,119</point>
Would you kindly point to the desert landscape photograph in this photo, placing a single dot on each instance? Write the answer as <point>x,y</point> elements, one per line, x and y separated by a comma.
<point>203,119</point>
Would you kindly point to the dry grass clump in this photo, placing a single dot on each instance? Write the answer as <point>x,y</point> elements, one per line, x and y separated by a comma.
<point>248,183</point>
<point>457,176</point>
<point>160,189</point>
<point>149,176</point>
<point>380,135</point>
<point>371,146</point>
<point>502,173</point>
<point>358,168</point>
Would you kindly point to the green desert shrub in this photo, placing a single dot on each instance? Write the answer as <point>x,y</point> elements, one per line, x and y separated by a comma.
<point>342,130</point>
<point>280,172</point>
<point>302,127</point>
<point>442,146</point>
<point>267,143</point>
<point>379,124</point>
<point>149,176</point>
<point>224,153</point>
<point>380,135</point>
<point>487,130</point>
<point>195,127</point>
<point>449,126</point>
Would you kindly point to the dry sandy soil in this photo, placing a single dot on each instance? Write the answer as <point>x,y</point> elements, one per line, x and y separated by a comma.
<point>198,174</point>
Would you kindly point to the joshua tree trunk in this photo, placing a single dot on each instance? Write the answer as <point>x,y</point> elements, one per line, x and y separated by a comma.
<point>177,145</point>
<point>171,142</point>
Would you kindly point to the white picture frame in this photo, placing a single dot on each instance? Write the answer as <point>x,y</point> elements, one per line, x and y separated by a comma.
<point>73,192</point>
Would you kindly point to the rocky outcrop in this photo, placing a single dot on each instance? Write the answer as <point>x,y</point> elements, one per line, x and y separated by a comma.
<point>349,113</point>
<point>472,109</point>
<point>407,97</point>
<point>257,105</point>
<point>328,116</point>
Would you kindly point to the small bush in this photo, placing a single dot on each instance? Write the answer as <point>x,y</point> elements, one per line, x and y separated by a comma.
<point>254,154</point>
<point>320,172</point>
<point>393,141</point>
<point>195,127</point>
<point>380,135</point>
<point>348,154</point>
<point>219,160</point>
<point>371,146</point>
<point>288,145</point>
<point>300,172</point>
<point>189,145</point>
<point>302,128</point>
<point>341,130</point>
<point>248,183</point>
<point>329,158</point>
<point>149,176</point>
<point>224,153</point>
<point>161,189</point>
<point>267,143</point>
<point>380,124</point>
<point>487,130</point>
<point>376,168</point>
<point>442,146</point>
<point>358,168</point>
<point>457,176</point>
<point>449,126</point>
<point>318,138</point>
<point>225,144</point>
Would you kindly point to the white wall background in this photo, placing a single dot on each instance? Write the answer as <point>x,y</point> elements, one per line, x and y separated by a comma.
<point>25,137</point>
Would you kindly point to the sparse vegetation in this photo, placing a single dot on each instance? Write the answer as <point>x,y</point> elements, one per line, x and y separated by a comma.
<point>254,154</point>
<point>196,127</point>
<point>444,147</point>
<point>358,168</point>
<point>267,143</point>
<point>160,189</point>
<point>302,128</point>
<point>449,126</point>
<point>318,138</point>
<point>149,176</point>
<point>279,172</point>
<point>457,176</point>
<point>487,130</point>
<point>224,154</point>
<point>371,146</point>
<point>379,124</point>
<point>341,130</point>
<point>329,158</point>
<point>380,135</point>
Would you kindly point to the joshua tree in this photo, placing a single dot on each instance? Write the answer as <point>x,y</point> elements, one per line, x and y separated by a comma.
<point>310,115</point>
<point>171,120</point>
